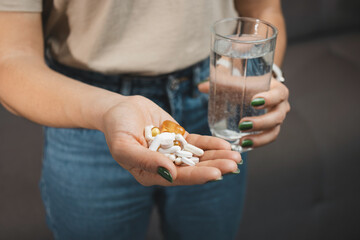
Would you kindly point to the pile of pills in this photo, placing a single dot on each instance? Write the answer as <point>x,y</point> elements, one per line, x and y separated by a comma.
<point>169,140</point>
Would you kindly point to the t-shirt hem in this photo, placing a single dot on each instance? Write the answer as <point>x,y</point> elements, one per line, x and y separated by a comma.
<point>20,10</point>
<point>18,6</point>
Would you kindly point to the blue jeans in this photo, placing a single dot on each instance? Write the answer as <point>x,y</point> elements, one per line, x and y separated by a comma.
<point>87,195</point>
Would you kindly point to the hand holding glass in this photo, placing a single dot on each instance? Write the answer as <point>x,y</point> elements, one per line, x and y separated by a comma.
<point>242,55</point>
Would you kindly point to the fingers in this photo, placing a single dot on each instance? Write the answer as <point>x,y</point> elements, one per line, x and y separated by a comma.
<point>187,175</point>
<point>202,173</point>
<point>271,119</point>
<point>278,93</point>
<point>205,171</point>
<point>153,168</point>
<point>143,163</point>
<point>191,175</point>
<point>133,156</point>
<point>208,142</point>
<point>276,101</point>
<point>204,87</point>
<point>224,165</point>
<point>261,139</point>
<point>221,154</point>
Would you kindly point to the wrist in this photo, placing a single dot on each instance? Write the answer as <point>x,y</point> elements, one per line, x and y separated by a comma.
<point>94,115</point>
<point>277,73</point>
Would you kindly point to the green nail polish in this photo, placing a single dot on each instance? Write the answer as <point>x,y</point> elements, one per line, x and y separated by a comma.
<point>258,102</point>
<point>236,172</point>
<point>247,143</point>
<point>203,81</point>
<point>245,126</point>
<point>165,174</point>
<point>241,162</point>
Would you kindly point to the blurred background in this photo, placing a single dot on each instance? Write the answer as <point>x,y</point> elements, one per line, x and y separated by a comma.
<point>306,185</point>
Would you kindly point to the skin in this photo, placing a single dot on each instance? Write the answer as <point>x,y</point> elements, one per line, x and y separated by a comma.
<point>276,99</point>
<point>28,88</point>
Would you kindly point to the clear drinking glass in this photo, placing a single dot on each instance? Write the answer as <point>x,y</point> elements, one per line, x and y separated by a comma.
<point>242,55</point>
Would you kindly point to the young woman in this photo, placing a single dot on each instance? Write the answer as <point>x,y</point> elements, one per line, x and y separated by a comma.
<point>95,73</point>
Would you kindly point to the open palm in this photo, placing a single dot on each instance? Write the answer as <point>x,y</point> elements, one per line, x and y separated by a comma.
<point>124,132</point>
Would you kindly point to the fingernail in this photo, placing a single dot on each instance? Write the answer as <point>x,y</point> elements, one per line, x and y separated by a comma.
<point>258,102</point>
<point>241,162</point>
<point>245,125</point>
<point>236,172</point>
<point>247,143</point>
<point>219,179</point>
<point>165,174</point>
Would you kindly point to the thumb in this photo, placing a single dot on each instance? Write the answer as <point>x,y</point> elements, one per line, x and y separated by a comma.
<point>204,87</point>
<point>154,162</point>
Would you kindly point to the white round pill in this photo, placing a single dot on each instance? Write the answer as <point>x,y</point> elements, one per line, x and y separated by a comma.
<point>178,161</point>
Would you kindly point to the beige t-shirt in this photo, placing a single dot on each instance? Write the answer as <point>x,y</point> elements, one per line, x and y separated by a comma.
<point>144,37</point>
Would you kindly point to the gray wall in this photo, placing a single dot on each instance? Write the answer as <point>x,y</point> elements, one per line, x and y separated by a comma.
<point>314,18</point>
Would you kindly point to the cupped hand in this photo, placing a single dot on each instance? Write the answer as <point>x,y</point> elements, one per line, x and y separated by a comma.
<point>276,102</point>
<point>123,126</point>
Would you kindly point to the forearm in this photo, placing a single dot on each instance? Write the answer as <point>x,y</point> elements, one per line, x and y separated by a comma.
<point>32,90</point>
<point>270,11</point>
<point>278,21</point>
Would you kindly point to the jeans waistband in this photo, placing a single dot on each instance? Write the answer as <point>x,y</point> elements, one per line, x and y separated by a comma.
<point>121,82</point>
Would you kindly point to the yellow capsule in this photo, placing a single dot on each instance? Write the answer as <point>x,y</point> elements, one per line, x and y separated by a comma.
<point>170,126</point>
<point>155,131</point>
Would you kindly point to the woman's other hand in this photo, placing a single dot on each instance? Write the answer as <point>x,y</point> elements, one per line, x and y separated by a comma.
<point>276,102</point>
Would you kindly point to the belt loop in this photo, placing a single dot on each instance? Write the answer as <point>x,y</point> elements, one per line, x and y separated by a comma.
<point>125,86</point>
<point>196,79</point>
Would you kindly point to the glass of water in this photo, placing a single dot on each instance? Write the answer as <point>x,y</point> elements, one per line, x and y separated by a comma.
<point>242,55</point>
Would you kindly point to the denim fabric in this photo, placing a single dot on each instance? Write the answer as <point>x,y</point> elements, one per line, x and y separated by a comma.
<point>87,195</point>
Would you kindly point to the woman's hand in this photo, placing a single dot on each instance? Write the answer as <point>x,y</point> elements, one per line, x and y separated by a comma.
<point>276,102</point>
<point>123,126</point>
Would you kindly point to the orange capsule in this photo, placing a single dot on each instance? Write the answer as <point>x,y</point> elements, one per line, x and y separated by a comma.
<point>169,126</point>
<point>177,143</point>
<point>155,131</point>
